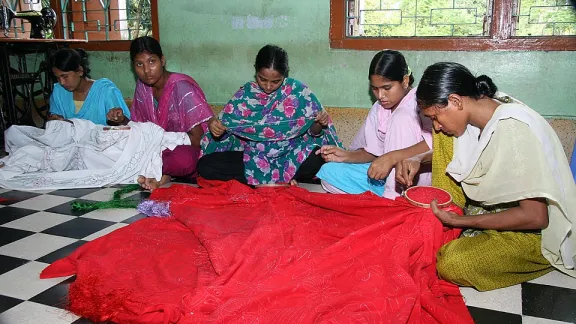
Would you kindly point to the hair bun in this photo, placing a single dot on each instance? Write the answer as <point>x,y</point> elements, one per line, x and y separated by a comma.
<point>485,86</point>
<point>82,53</point>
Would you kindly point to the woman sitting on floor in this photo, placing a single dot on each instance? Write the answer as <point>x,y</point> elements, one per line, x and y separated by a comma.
<point>512,167</point>
<point>269,130</point>
<point>173,101</point>
<point>76,95</point>
<point>393,124</point>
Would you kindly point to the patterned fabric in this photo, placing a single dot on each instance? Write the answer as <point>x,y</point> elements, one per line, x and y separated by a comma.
<point>102,96</point>
<point>488,259</point>
<point>231,254</point>
<point>81,154</point>
<point>181,107</point>
<point>272,130</point>
<point>443,146</point>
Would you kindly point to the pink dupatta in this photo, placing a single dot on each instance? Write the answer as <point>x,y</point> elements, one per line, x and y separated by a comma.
<point>181,107</point>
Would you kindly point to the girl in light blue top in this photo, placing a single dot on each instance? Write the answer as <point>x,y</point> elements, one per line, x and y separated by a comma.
<point>76,95</point>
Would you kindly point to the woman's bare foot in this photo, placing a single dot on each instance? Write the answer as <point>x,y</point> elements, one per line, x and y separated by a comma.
<point>294,183</point>
<point>151,183</point>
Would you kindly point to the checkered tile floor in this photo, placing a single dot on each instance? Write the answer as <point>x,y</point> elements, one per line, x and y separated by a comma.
<point>39,228</point>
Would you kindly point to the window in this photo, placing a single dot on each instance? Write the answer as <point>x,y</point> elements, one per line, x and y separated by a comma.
<point>106,24</point>
<point>453,24</point>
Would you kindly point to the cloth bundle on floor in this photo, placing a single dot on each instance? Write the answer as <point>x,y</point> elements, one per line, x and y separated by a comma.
<point>80,154</point>
<point>230,254</point>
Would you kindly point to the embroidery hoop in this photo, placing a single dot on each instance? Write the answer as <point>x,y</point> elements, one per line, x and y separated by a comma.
<point>414,202</point>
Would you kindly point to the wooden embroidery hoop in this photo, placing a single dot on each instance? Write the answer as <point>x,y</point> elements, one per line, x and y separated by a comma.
<point>425,205</point>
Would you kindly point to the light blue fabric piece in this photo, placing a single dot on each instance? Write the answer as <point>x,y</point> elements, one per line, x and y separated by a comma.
<point>351,178</point>
<point>573,162</point>
<point>103,96</point>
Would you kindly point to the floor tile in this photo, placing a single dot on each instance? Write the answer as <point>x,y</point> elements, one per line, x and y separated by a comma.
<point>78,227</point>
<point>56,296</point>
<point>13,196</point>
<point>134,218</point>
<point>8,263</point>
<point>536,320</point>
<point>488,316</point>
<point>507,300</point>
<point>8,302</point>
<point>112,215</point>
<point>556,278</point>
<point>66,208</point>
<point>87,321</point>
<point>38,221</point>
<point>104,194</point>
<point>10,213</point>
<point>35,246</point>
<point>42,202</point>
<point>312,187</point>
<point>9,235</point>
<point>103,232</point>
<point>141,195</point>
<point>24,282</point>
<point>549,302</point>
<point>74,193</point>
<point>34,313</point>
<point>61,253</point>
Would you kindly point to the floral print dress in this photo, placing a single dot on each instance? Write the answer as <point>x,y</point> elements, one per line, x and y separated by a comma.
<point>272,130</point>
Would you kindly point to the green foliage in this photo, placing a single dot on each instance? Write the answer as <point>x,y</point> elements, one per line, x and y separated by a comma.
<point>139,14</point>
<point>460,18</point>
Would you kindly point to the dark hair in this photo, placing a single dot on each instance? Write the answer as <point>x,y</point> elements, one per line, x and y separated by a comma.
<point>69,59</point>
<point>390,65</point>
<point>145,44</point>
<point>272,57</point>
<point>445,78</point>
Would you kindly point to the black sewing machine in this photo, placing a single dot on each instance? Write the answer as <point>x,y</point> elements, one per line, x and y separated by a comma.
<point>42,22</point>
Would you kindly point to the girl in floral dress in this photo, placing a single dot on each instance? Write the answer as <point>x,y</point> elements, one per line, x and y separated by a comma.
<point>269,131</point>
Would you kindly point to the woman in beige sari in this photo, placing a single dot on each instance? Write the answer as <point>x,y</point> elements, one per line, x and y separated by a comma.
<point>521,206</point>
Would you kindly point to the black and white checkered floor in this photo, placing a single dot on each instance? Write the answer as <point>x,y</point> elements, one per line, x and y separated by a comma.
<point>39,228</point>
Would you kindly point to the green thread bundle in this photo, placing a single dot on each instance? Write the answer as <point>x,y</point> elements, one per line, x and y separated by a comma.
<point>116,202</point>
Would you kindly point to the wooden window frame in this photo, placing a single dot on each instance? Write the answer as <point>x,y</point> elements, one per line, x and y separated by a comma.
<point>112,45</point>
<point>500,38</point>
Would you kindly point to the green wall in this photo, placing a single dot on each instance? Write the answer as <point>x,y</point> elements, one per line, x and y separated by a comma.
<point>216,43</point>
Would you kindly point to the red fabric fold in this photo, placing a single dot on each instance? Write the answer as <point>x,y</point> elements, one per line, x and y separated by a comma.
<point>232,254</point>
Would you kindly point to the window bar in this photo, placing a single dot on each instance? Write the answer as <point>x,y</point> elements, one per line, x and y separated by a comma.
<point>106,8</point>
<point>84,17</point>
<point>64,18</point>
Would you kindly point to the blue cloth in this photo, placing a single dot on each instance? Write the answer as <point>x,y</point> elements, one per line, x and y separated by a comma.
<point>351,178</point>
<point>573,162</point>
<point>103,96</point>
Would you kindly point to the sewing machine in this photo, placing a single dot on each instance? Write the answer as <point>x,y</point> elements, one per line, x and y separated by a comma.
<point>42,22</point>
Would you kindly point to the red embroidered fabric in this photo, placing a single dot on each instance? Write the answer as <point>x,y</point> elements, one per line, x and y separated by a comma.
<point>231,254</point>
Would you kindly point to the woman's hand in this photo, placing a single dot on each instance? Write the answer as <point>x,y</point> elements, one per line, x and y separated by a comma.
<point>116,115</point>
<point>447,218</point>
<point>217,129</point>
<point>323,119</point>
<point>332,153</point>
<point>381,167</point>
<point>406,170</point>
<point>55,117</point>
